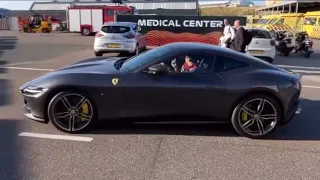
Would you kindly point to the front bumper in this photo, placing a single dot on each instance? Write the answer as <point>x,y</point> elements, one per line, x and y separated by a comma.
<point>295,109</point>
<point>35,106</point>
<point>27,112</point>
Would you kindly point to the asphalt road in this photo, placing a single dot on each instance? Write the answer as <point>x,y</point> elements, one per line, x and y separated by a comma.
<point>149,152</point>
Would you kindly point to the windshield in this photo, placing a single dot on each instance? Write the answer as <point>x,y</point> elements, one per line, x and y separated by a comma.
<point>115,29</point>
<point>144,58</point>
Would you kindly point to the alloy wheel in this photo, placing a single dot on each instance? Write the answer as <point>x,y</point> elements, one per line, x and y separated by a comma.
<point>258,117</point>
<point>71,112</point>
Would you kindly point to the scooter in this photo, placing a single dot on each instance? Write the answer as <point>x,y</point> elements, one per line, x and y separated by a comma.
<point>283,44</point>
<point>304,44</point>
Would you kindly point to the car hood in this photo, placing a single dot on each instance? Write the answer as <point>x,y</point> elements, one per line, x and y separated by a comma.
<point>289,71</point>
<point>92,65</point>
<point>101,65</point>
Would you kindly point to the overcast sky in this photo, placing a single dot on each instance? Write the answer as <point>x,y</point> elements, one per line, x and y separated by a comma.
<point>25,4</point>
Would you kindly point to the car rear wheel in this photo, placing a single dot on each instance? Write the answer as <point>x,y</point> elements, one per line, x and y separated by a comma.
<point>256,116</point>
<point>98,53</point>
<point>85,32</point>
<point>71,112</point>
<point>136,52</point>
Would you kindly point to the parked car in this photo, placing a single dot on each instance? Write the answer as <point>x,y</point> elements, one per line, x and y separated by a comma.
<point>262,45</point>
<point>224,85</point>
<point>119,37</point>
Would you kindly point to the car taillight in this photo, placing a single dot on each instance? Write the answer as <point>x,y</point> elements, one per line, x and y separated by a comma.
<point>99,35</point>
<point>129,36</point>
<point>273,43</point>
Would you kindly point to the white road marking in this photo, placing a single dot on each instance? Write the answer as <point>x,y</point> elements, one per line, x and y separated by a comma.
<point>53,136</point>
<point>301,67</point>
<point>306,71</point>
<point>30,69</point>
<point>17,64</point>
<point>314,87</point>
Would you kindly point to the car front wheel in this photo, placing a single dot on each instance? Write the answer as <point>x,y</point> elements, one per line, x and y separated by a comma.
<point>71,112</point>
<point>256,116</point>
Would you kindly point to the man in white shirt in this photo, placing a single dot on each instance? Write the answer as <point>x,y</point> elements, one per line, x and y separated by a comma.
<point>228,34</point>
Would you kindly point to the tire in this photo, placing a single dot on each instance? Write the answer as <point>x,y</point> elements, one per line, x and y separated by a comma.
<point>136,51</point>
<point>85,32</point>
<point>286,54</point>
<point>144,48</point>
<point>44,30</point>
<point>87,112</point>
<point>98,54</point>
<point>270,105</point>
<point>307,54</point>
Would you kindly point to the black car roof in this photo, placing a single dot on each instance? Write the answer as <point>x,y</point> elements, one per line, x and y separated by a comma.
<point>198,47</point>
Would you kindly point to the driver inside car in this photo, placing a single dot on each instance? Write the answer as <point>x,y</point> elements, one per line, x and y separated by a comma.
<point>188,66</point>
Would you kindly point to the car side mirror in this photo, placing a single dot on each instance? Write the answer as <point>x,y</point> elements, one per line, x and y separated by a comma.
<point>158,69</point>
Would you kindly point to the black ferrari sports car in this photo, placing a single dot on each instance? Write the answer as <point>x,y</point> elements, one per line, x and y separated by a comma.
<point>174,79</point>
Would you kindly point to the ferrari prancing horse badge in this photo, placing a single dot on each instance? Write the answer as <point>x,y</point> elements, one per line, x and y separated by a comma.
<point>115,81</point>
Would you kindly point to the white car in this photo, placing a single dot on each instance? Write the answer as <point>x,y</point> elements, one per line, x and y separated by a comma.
<point>262,45</point>
<point>119,37</point>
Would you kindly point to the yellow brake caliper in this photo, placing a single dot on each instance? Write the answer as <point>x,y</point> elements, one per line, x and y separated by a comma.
<point>244,116</point>
<point>85,110</point>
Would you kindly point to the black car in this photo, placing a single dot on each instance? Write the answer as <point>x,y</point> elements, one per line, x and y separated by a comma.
<point>174,79</point>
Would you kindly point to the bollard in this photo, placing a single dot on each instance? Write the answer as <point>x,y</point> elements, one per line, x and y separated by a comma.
<point>6,43</point>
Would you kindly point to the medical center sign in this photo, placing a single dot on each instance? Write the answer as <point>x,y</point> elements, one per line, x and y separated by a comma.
<point>177,23</point>
<point>180,24</point>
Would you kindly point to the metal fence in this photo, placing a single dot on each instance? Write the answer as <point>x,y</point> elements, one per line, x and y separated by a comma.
<point>6,43</point>
<point>4,24</point>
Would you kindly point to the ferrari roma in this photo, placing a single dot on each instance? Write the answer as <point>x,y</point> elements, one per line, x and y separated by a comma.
<point>174,79</point>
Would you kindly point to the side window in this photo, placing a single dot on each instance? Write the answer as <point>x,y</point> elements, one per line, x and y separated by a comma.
<point>223,64</point>
<point>280,21</point>
<point>110,12</point>
<point>310,21</point>
<point>192,63</point>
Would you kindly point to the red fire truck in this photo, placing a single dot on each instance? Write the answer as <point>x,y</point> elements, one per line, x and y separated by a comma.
<point>88,19</point>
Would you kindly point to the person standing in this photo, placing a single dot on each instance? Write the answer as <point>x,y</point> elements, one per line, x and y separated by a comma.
<point>239,41</point>
<point>228,34</point>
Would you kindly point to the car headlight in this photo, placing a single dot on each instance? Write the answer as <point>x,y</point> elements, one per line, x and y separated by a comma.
<point>33,90</point>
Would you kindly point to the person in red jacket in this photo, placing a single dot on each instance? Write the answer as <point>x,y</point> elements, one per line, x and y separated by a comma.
<point>189,65</point>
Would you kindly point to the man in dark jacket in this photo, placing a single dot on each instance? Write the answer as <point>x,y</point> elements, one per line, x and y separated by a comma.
<point>238,44</point>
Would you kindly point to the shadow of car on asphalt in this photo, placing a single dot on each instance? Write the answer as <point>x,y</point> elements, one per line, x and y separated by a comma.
<point>126,126</point>
<point>303,127</point>
<point>10,150</point>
